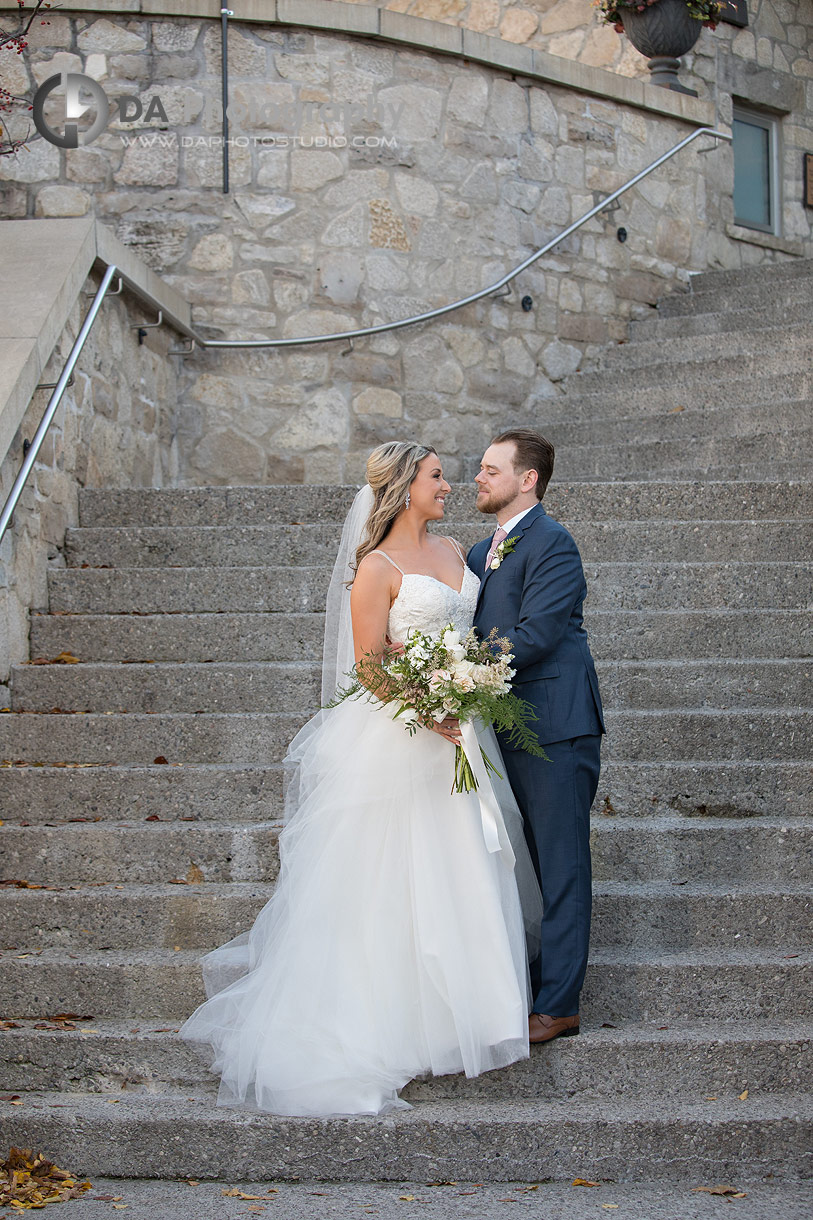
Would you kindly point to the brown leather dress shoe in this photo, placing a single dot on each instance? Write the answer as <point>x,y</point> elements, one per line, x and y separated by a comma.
<point>542,1028</point>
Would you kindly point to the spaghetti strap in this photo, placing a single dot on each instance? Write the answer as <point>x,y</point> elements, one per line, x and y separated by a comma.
<point>456,547</point>
<point>392,561</point>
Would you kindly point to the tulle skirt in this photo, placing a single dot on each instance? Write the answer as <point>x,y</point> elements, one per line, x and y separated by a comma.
<point>393,945</point>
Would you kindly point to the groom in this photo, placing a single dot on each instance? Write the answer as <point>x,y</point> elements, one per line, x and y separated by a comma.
<point>532,589</point>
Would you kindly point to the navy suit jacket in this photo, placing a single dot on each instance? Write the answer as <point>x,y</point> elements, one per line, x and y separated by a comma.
<point>535,599</point>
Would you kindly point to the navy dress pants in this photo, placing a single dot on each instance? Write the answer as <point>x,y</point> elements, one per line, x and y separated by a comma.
<point>555,799</point>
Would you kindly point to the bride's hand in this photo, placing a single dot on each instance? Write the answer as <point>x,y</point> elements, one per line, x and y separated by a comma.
<point>449,729</point>
<point>394,647</point>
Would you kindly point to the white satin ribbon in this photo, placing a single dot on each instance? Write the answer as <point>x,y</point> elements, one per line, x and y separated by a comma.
<point>494,832</point>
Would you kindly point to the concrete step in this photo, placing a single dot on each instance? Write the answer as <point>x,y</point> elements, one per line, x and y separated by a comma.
<point>31,795</point>
<point>308,504</point>
<point>144,1135</point>
<point>700,735</point>
<point>696,376</point>
<point>796,306</point>
<point>708,456</point>
<point>766,285</point>
<point>670,849</point>
<point>724,426</point>
<point>632,1061</point>
<point>284,546</point>
<point>729,984</point>
<point>257,686</point>
<point>234,686</point>
<point>791,268</point>
<point>783,343</point>
<point>625,635</point>
<point>666,916</point>
<point>740,388</point>
<point>36,796</point>
<point>659,585</point>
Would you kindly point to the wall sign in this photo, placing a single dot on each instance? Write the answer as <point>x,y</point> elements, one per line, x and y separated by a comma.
<point>734,12</point>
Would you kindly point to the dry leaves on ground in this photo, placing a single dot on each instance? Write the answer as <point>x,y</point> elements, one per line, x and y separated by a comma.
<point>64,658</point>
<point>28,1180</point>
<point>236,1193</point>
<point>584,1182</point>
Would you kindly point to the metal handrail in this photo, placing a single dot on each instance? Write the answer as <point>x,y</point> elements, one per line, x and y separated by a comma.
<point>197,339</point>
<point>361,332</point>
<point>53,402</point>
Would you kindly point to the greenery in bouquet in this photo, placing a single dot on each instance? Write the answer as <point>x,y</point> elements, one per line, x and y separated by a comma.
<point>434,676</point>
<point>706,11</point>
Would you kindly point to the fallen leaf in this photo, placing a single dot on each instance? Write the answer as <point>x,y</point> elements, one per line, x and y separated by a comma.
<point>194,874</point>
<point>236,1193</point>
<point>584,1182</point>
<point>160,759</point>
<point>28,1180</point>
<point>744,1095</point>
<point>610,1206</point>
<point>407,1198</point>
<point>730,1191</point>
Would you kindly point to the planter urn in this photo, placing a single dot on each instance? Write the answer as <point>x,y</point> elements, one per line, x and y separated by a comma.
<point>663,32</point>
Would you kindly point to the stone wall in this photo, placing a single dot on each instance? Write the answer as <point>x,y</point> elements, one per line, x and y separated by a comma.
<point>370,182</point>
<point>114,428</point>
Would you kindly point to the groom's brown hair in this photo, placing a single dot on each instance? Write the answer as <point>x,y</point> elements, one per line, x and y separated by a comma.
<point>533,452</point>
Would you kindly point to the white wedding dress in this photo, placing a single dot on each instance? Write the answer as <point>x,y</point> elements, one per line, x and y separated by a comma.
<point>393,945</point>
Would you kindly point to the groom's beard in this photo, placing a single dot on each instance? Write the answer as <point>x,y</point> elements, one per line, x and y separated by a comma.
<point>493,503</point>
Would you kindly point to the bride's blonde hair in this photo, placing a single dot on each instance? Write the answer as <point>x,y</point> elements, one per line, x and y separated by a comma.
<point>390,471</point>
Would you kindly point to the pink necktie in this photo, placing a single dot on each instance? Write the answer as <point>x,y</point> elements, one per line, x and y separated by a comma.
<point>499,535</point>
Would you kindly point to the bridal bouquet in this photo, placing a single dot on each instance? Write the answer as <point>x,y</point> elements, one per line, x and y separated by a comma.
<point>433,676</point>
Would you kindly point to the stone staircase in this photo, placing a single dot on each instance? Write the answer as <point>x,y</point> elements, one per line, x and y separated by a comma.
<point>142,787</point>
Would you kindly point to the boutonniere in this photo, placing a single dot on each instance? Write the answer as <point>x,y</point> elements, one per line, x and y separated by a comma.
<point>505,548</point>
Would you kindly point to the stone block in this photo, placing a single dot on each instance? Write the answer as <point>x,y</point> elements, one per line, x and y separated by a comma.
<point>272,168</point>
<point>149,165</point>
<point>483,16</point>
<point>386,228</point>
<point>468,98</point>
<point>518,25</point>
<point>340,277</point>
<point>107,37</point>
<point>261,210</point>
<point>54,30</point>
<point>203,164</point>
<point>317,322</point>
<point>214,252</point>
<point>508,109</point>
<point>415,111</point>
<point>61,201</point>
<point>251,288</point>
<point>346,229</point>
<point>312,169</point>
<point>322,423</point>
<point>246,57</point>
<point>416,195</point>
<point>37,162</point>
<point>379,401</point>
<point>560,359</point>
<point>175,35</point>
<point>225,456</point>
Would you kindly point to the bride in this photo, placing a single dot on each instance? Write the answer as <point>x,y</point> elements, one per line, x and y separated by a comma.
<point>393,945</point>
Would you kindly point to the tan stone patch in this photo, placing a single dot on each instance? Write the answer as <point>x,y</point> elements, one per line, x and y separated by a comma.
<point>386,229</point>
<point>518,24</point>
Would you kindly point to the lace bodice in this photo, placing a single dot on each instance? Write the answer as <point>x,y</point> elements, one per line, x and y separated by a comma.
<point>429,604</point>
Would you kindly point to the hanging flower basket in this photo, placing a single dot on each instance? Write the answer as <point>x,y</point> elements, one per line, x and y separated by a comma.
<point>662,30</point>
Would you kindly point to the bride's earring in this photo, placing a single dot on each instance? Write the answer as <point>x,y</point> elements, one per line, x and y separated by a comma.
<point>407,500</point>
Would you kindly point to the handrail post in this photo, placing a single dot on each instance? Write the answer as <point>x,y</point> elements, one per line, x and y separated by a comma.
<point>53,403</point>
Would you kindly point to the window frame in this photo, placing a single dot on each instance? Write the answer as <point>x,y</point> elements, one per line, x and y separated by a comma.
<point>770,123</point>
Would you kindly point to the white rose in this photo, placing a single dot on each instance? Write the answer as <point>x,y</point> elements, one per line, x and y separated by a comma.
<point>495,563</point>
<point>409,715</point>
<point>465,683</point>
<point>458,653</point>
<point>451,638</point>
<point>463,667</point>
